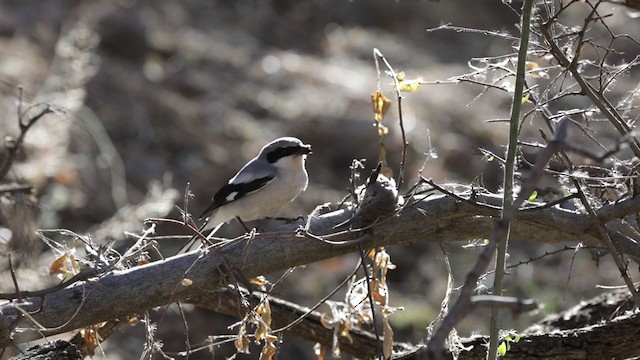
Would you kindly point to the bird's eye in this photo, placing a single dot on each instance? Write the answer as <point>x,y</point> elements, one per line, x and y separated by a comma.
<point>285,151</point>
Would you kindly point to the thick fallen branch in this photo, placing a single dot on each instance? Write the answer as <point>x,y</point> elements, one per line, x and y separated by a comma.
<point>603,327</point>
<point>123,293</point>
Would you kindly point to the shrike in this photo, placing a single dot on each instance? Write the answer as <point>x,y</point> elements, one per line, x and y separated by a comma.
<point>263,186</point>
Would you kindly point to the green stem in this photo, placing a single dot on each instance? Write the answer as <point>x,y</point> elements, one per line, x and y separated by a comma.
<point>508,175</point>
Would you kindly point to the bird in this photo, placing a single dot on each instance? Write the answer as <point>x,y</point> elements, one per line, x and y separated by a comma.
<point>262,187</point>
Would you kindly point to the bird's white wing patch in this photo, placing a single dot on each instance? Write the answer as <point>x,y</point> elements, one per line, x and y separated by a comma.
<point>231,196</point>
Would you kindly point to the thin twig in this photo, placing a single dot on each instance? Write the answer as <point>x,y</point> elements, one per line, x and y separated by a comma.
<point>457,196</point>
<point>14,279</point>
<point>17,144</point>
<point>81,276</point>
<point>368,279</point>
<point>394,76</point>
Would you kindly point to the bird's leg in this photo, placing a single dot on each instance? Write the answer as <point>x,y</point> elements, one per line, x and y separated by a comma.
<point>243,224</point>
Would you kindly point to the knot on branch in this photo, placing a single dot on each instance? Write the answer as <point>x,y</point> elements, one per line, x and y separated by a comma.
<point>377,199</point>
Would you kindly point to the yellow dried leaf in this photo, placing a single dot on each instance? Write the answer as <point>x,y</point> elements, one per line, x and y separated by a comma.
<point>260,281</point>
<point>531,65</point>
<point>407,85</point>
<point>382,130</point>
<point>533,69</point>
<point>381,105</point>
<point>410,85</point>
<point>186,282</point>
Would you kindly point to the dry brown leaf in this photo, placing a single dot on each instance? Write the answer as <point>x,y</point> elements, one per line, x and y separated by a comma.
<point>269,350</point>
<point>59,265</point>
<point>264,326</point>
<point>260,281</point>
<point>242,341</point>
<point>320,351</point>
<point>379,292</point>
<point>90,340</point>
<point>382,264</point>
<point>66,266</point>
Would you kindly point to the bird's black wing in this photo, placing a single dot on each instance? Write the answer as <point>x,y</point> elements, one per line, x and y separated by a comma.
<point>232,192</point>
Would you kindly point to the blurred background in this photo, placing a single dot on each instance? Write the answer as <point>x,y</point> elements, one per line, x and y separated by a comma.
<point>155,95</point>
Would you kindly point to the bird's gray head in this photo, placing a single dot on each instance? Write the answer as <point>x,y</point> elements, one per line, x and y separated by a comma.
<point>283,147</point>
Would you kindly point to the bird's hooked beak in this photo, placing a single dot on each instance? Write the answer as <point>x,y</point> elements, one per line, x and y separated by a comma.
<point>305,149</point>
